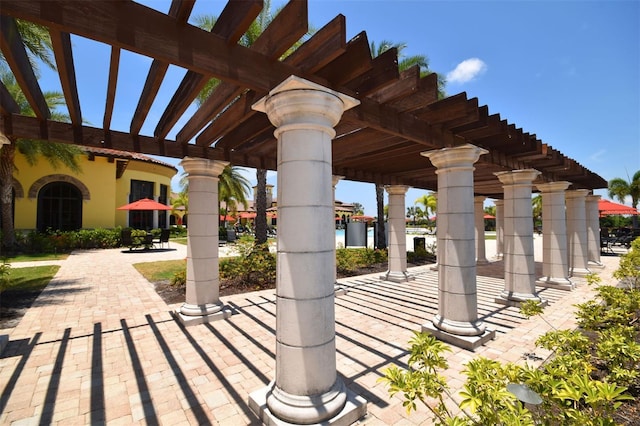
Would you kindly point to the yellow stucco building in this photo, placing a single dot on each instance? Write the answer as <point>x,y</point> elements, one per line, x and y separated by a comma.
<point>58,198</point>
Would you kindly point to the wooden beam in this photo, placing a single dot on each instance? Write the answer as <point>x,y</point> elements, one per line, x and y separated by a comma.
<point>355,61</point>
<point>20,126</point>
<point>406,85</point>
<point>383,72</point>
<point>132,26</point>
<point>308,57</point>
<point>427,93</point>
<point>180,9</point>
<point>8,105</point>
<point>14,52</point>
<point>66,70</point>
<point>193,82</point>
<point>114,64</point>
<point>282,33</point>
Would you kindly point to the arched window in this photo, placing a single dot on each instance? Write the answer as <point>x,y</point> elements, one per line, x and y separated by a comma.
<point>59,207</point>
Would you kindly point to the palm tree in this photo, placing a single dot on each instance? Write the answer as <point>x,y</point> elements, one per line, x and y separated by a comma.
<point>404,62</point>
<point>233,188</point>
<point>256,28</point>
<point>430,203</point>
<point>37,42</point>
<point>56,154</point>
<point>180,202</point>
<point>536,206</point>
<point>620,189</point>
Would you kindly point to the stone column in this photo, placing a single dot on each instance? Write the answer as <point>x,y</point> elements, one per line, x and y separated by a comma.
<point>340,289</point>
<point>577,232</point>
<point>519,265</point>
<point>499,229</point>
<point>397,244</point>
<point>555,267</point>
<point>593,232</point>
<point>307,389</point>
<point>457,319</point>
<point>478,213</point>
<point>203,283</point>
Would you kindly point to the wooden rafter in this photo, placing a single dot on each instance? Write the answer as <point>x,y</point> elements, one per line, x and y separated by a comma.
<point>114,64</point>
<point>16,56</point>
<point>180,9</point>
<point>64,60</point>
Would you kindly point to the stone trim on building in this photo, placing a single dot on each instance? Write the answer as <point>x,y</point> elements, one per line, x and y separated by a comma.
<point>37,185</point>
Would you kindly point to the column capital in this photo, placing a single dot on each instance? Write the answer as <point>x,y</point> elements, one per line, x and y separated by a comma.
<point>553,186</point>
<point>498,202</point>
<point>577,193</point>
<point>517,177</point>
<point>479,198</point>
<point>4,140</point>
<point>396,189</point>
<point>462,155</point>
<point>335,179</point>
<point>297,103</point>
<point>593,198</point>
<point>203,167</point>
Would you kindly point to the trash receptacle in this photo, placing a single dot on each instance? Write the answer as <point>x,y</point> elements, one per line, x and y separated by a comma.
<point>419,243</point>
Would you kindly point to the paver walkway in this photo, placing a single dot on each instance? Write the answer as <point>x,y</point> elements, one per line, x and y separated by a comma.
<point>99,346</point>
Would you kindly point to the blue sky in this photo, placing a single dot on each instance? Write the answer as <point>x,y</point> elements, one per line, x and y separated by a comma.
<point>568,71</point>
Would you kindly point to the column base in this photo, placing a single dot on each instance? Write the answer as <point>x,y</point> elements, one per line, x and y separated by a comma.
<point>434,267</point>
<point>465,342</point>
<point>579,272</point>
<point>189,314</point>
<point>557,283</point>
<point>516,299</point>
<point>340,290</point>
<point>482,262</point>
<point>595,265</point>
<point>498,256</point>
<point>397,277</point>
<point>354,408</point>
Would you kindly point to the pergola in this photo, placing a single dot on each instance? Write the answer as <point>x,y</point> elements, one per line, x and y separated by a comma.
<point>378,141</point>
<point>276,114</point>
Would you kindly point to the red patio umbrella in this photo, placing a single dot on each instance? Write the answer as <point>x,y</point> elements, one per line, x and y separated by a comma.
<point>144,204</point>
<point>606,208</point>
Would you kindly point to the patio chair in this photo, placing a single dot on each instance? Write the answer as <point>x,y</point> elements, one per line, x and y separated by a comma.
<point>126,240</point>
<point>163,238</point>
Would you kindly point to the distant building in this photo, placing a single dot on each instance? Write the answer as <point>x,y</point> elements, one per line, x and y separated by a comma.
<point>246,214</point>
<point>57,198</point>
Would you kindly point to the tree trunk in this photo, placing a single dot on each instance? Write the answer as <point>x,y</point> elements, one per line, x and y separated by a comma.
<point>261,206</point>
<point>381,234</point>
<point>7,155</point>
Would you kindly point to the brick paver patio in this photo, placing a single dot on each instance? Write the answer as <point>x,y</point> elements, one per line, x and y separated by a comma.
<point>100,346</point>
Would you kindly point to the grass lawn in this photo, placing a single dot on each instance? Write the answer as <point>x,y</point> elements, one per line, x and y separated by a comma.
<point>30,279</point>
<point>37,256</point>
<point>159,271</point>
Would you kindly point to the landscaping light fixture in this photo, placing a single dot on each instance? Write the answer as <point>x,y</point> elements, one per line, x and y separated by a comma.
<point>524,394</point>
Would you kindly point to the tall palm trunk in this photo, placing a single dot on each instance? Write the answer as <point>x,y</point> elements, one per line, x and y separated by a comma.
<point>261,206</point>
<point>7,155</point>
<point>381,234</point>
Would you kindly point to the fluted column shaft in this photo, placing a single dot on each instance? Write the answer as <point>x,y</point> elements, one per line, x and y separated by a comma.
<point>499,228</point>
<point>519,265</point>
<point>306,388</point>
<point>457,292</point>
<point>203,283</point>
<point>577,232</point>
<point>478,211</point>
<point>593,232</point>
<point>397,244</point>
<point>555,267</point>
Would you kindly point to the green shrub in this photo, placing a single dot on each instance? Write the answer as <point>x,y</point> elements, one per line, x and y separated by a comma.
<point>348,260</point>
<point>629,269</point>
<point>255,266</point>
<point>179,279</point>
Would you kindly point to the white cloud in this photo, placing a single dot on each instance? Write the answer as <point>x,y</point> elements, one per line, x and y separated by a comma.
<point>466,70</point>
